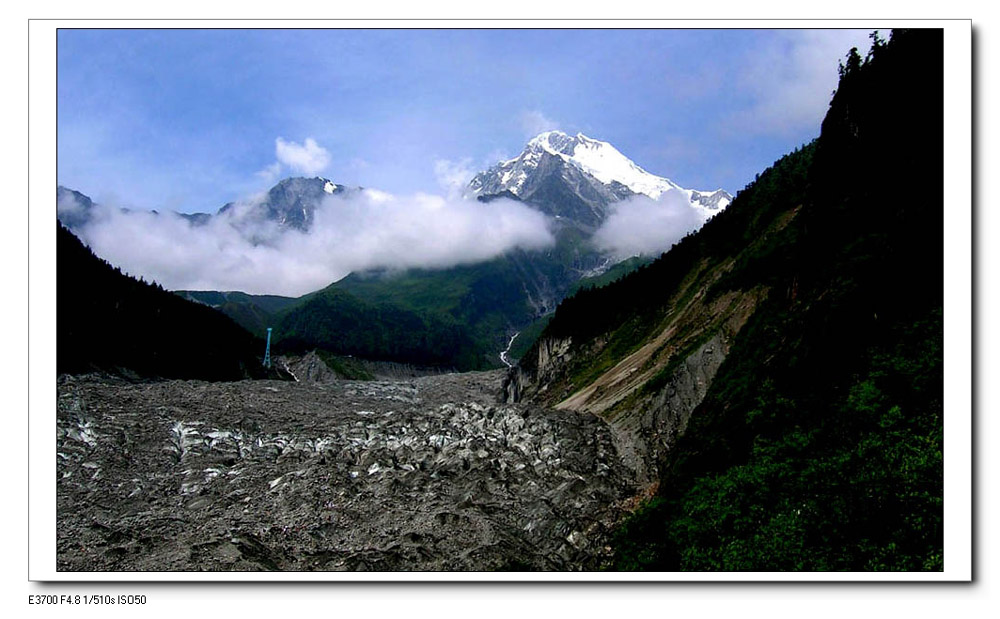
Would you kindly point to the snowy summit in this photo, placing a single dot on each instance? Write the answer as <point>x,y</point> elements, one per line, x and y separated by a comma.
<point>607,175</point>
<point>602,161</point>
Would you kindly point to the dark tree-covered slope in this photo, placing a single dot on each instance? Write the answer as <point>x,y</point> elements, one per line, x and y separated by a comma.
<point>253,312</point>
<point>108,321</point>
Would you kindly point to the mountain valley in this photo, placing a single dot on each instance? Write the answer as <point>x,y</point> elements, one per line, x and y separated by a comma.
<point>766,395</point>
<point>471,310</point>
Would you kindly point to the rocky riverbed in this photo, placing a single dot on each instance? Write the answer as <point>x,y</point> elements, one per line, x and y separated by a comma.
<point>429,473</point>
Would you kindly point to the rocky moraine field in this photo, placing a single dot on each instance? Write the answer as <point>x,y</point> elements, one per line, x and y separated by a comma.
<point>419,474</point>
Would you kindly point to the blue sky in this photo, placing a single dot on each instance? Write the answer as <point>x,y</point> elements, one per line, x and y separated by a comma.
<point>188,120</point>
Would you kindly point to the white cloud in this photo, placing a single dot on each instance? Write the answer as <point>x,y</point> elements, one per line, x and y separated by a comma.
<point>642,225</point>
<point>789,80</point>
<point>307,158</point>
<point>368,230</point>
<point>454,176</point>
<point>67,204</point>
<point>534,122</point>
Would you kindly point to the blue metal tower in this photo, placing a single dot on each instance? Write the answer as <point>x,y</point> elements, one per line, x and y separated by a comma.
<point>267,351</point>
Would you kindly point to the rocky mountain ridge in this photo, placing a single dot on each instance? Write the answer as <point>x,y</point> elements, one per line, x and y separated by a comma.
<point>291,203</point>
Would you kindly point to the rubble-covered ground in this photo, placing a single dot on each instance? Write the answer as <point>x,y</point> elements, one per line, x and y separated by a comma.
<point>422,474</point>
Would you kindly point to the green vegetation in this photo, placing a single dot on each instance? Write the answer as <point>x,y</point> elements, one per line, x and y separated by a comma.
<point>485,299</point>
<point>255,313</point>
<point>110,322</point>
<point>345,367</point>
<point>795,476</point>
<point>613,274</point>
<point>339,322</point>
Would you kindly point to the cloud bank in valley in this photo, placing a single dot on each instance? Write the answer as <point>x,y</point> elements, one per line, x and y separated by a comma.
<point>641,225</point>
<point>366,230</point>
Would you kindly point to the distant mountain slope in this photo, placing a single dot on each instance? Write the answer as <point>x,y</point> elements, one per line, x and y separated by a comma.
<point>291,203</point>
<point>339,322</point>
<point>490,300</point>
<point>253,312</point>
<point>108,321</point>
<point>777,377</point>
<point>73,208</point>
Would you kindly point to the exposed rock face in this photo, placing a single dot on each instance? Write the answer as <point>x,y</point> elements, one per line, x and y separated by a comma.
<point>553,355</point>
<point>713,201</point>
<point>425,474</point>
<point>647,430</point>
<point>292,202</point>
<point>308,368</point>
<point>649,426</point>
<point>648,396</point>
<point>555,187</point>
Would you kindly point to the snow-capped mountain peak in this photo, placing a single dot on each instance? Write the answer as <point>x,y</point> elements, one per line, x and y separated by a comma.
<point>595,157</point>
<point>594,171</point>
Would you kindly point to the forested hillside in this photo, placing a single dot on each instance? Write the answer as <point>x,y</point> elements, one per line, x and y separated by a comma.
<point>107,321</point>
<point>816,444</point>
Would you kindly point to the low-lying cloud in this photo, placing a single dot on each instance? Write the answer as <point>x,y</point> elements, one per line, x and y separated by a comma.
<point>367,230</point>
<point>641,225</point>
<point>453,176</point>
